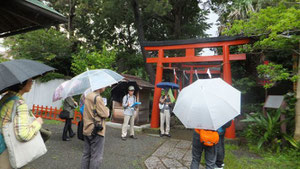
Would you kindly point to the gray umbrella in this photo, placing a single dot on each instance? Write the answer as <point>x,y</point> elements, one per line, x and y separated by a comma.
<point>17,71</point>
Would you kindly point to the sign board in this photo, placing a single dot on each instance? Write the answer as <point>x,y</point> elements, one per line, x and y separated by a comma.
<point>274,101</point>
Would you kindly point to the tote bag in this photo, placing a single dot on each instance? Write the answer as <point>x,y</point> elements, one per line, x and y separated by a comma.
<point>21,153</point>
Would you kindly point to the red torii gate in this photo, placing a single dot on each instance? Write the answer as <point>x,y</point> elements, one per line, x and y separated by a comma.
<point>190,56</point>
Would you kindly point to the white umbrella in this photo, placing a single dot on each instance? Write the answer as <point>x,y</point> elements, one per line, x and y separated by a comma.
<point>89,80</point>
<point>207,104</point>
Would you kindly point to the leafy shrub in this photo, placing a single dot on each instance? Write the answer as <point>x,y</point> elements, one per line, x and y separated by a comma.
<point>264,131</point>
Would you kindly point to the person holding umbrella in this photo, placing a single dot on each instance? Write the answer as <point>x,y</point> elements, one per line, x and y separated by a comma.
<point>69,105</point>
<point>16,78</point>
<point>25,130</point>
<point>165,104</point>
<point>94,130</point>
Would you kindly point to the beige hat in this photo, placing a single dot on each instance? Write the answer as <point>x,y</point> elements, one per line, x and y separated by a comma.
<point>130,88</point>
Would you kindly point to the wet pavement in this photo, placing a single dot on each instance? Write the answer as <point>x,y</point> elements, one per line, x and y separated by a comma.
<point>173,154</point>
<point>148,151</point>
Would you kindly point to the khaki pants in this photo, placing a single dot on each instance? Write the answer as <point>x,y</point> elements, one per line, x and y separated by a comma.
<point>125,124</point>
<point>165,117</point>
<point>4,161</point>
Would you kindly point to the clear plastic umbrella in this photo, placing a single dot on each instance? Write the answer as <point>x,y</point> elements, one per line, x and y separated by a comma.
<point>85,82</point>
<point>207,104</point>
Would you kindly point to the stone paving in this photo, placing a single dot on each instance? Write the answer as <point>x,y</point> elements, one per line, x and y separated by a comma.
<point>172,154</point>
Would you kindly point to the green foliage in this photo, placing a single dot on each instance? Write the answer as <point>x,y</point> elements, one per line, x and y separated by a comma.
<point>158,7</point>
<point>47,45</point>
<point>51,122</point>
<point>132,64</point>
<point>252,107</point>
<point>274,73</point>
<point>238,157</point>
<point>107,94</point>
<point>182,19</point>
<point>275,26</point>
<point>50,76</point>
<point>3,60</point>
<point>104,59</point>
<point>264,131</point>
<point>289,112</point>
<point>244,84</point>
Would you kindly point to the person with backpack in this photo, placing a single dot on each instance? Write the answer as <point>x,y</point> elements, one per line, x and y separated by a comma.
<point>94,128</point>
<point>129,113</point>
<point>220,146</point>
<point>165,114</point>
<point>204,140</point>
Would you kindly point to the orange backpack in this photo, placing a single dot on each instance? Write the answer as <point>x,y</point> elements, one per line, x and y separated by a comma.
<point>208,137</point>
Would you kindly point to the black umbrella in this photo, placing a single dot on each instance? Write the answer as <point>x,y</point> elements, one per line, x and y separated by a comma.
<point>121,89</point>
<point>17,71</point>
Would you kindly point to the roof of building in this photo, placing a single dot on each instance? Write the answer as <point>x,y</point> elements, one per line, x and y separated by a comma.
<point>192,41</point>
<point>19,16</point>
<point>140,82</point>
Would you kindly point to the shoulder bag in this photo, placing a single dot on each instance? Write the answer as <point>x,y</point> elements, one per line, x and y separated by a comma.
<point>64,114</point>
<point>21,153</point>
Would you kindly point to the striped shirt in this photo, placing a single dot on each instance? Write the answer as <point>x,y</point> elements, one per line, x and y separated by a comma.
<point>25,124</point>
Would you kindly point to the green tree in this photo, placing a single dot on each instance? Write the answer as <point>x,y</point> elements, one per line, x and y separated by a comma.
<point>277,28</point>
<point>93,59</point>
<point>156,20</point>
<point>47,45</point>
<point>274,73</point>
<point>231,10</point>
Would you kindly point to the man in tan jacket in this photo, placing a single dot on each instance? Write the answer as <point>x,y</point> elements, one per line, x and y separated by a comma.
<point>93,143</point>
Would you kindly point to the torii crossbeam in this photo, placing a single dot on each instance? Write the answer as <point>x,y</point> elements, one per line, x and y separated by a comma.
<point>189,46</point>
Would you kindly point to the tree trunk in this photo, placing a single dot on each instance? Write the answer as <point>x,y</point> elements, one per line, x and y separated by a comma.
<point>297,107</point>
<point>177,26</point>
<point>71,16</point>
<point>141,37</point>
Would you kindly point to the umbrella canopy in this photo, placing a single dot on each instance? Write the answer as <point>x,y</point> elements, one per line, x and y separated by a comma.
<point>17,71</point>
<point>85,82</point>
<point>167,85</point>
<point>207,104</point>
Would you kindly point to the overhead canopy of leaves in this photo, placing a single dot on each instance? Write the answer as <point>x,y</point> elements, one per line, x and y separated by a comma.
<point>277,27</point>
<point>93,59</point>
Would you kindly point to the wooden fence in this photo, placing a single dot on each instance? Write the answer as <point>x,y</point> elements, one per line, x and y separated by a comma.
<point>53,113</point>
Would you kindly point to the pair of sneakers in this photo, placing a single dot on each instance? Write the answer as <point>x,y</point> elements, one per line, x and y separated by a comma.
<point>132,136</point>
<point>168,135</point>
<point>220,167</point>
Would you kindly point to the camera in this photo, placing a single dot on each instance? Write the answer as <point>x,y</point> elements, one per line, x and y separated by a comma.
<point>97,127</point>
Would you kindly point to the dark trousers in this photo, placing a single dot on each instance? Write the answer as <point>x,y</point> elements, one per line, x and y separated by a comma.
<point>220,151</point>
<point>67,128</point>
<point>197,149</point>
<point>92,152</point>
